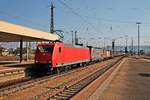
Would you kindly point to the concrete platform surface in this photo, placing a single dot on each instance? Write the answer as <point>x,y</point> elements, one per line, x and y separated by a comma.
<point>6,66</point>
<point>11,70</point>
<point>131,82</point>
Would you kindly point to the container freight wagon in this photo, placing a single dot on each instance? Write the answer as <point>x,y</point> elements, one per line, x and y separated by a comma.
<point>108,54</point>
<point>95,55</point>
<point>105,54</point>
<point>57,55</point>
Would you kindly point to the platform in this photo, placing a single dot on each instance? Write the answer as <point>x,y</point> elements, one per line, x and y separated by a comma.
<point>15,63</point>
<point>13,70</point>
<point>131,82</point>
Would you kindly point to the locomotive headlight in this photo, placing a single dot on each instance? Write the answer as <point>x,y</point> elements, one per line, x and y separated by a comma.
<point>48,61</point>
<point>36,61</point>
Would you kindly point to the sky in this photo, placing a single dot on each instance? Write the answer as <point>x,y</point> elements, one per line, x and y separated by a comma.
<point>92,19</point>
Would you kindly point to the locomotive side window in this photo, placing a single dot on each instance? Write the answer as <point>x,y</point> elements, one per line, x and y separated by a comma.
<point>59,49</point>
<point>48,49</point>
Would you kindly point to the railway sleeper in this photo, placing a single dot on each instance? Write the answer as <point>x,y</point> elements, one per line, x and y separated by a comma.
<point>68,91</point>
<point>72,89</point>
<point>79,86</point>
<point>59,98</point>
<point>65,94</point>
<point>75,90</point>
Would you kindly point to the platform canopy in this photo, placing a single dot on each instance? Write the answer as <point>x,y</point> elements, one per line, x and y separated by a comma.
<point>14,33</point>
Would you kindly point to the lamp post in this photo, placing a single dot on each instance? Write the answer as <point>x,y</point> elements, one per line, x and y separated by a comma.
<point>138,23</point>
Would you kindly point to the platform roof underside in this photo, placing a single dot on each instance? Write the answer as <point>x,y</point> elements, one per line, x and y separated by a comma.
<point>14,33</point>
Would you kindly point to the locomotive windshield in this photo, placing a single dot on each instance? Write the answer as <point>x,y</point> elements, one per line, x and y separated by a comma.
<point>46,49</point>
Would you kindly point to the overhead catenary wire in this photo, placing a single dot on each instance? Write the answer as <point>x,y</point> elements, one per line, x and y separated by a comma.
<point>11,16</point>
<point>116,21</point>
<point>80,16</point>
<point>96,18</point>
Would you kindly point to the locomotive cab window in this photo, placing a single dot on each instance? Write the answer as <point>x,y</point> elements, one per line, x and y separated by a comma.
<point>59,49</point>
<point>46,49</point>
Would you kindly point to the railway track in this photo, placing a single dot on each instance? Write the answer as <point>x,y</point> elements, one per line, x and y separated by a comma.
<point>69,92</point>
<point>17,85</point>
<point>63,87</point>
<point>69,89</point>
<point>20,86</point>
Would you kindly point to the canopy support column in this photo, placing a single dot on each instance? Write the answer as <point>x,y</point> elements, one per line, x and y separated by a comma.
<point>21,45</point>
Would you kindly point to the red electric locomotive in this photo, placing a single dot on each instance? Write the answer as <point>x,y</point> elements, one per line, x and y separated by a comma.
<point>57,55</point>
